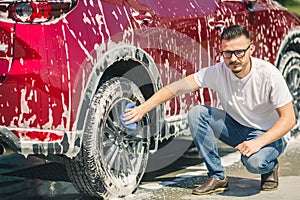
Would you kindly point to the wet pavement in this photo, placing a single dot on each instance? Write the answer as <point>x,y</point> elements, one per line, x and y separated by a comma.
<point>242,184</point>
<point>175,181</point>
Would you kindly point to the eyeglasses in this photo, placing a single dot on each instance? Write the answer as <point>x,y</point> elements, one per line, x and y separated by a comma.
<point>238,53</point>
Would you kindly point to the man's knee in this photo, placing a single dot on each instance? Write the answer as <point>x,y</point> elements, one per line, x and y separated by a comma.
<point>265,159</point>
<point>196,112</point>
<point>195,117</point>
<point>255,164</point>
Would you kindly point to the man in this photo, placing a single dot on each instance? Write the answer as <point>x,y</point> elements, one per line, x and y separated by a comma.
<point>257,113</point>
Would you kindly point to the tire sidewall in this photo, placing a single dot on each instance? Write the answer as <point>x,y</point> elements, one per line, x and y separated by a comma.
<point>106,96</point>
<point>290,61</point>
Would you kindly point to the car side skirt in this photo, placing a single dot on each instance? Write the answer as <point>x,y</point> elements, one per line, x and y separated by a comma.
<point>68,144</point>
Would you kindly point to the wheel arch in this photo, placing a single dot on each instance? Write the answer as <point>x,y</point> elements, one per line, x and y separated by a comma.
<point>291,42</point>
<point>134,64</point>
<point>288,62</point>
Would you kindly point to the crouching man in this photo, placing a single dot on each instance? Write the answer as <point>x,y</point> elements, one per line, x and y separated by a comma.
<point>257,111</point>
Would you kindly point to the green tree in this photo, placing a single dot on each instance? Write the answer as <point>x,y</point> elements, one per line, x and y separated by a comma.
<point>292,5</point>
<point>281,1</point>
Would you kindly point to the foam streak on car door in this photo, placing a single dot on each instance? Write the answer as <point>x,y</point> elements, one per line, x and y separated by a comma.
<point>175,44</point>
<point>219,25</point>
<point>6,44</point>
<point>142,19</point>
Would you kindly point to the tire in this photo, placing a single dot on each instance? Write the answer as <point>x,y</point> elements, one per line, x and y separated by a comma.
<point>112,159</point>
<point>290,68</point>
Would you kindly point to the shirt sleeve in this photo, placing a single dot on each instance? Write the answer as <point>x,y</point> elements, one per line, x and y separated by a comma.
<point>279,94</point>
<point>205,78</point>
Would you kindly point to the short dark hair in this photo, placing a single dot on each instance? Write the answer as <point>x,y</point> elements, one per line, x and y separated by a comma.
<point>233,32</point>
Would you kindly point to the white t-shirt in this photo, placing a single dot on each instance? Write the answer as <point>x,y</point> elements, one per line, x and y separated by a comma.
<point>251,100</point>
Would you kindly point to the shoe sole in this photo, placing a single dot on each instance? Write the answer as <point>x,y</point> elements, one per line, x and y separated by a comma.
<point>218,190</point>
<point>269,189</point>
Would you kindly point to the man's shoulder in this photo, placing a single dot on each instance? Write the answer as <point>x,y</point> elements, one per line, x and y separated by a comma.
<point>264,67</point>
<point>261,62</point>
<point>219,66</point>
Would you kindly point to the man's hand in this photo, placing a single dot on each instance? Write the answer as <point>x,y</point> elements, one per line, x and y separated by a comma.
<point>132,115</point>
<point>285,123</point>
<point>247,148</point>
<point>185,85</point>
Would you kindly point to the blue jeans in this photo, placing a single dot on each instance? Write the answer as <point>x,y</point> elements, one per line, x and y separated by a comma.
<point>207,123</point>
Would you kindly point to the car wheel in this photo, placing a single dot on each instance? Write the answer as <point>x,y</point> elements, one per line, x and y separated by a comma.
<point>290,68</point>
<point>113,158</point>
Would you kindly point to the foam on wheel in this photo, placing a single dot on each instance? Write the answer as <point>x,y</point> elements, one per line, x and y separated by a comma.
<point>113,159</point>
<point>290,68</point>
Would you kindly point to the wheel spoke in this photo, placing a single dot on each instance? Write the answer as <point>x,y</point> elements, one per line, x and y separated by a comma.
<point>139,148</point>
<point>129,162</point>
<point>132,138</point>
<point>295,79</point>
<point>111,153</point>
<point>110,123</point>
<point>114,157</point>
<point>124,162</point>
<point>110,132</point>
<point>107,144</point>
<point>115,112</point>
<point>117,164</point>
<point>130,150</point>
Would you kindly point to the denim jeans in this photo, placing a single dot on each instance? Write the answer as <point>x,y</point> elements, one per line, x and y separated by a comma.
<point>207,123</point>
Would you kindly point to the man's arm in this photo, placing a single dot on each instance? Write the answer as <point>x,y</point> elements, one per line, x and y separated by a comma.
<point>166,93</point>
<point>285,123</point>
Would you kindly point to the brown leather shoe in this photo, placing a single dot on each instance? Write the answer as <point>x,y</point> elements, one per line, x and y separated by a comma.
<point>212,185</point>
<point>269,181</point>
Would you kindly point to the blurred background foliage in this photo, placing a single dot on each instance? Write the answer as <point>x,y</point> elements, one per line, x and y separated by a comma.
<point>292,5</point>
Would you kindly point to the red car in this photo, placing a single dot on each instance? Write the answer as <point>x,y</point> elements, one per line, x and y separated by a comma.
<point>68,68</point>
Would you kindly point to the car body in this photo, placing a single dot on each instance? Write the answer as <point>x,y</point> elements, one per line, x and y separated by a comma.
<point>68,69</point>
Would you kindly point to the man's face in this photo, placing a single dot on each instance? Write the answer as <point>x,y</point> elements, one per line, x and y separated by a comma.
<point>236,54</point>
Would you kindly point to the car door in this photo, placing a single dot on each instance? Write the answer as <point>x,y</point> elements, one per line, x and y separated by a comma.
<point>188,40</point>
<point>177,45</point>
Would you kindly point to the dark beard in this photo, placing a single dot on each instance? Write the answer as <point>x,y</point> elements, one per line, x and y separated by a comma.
<point>235,72</point>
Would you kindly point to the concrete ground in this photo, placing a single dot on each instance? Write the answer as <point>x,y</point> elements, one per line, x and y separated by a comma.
<point>174,182</point>
<point>242,184</point>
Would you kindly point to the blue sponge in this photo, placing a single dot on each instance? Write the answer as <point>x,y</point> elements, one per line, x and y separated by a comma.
<point>131,126</point>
